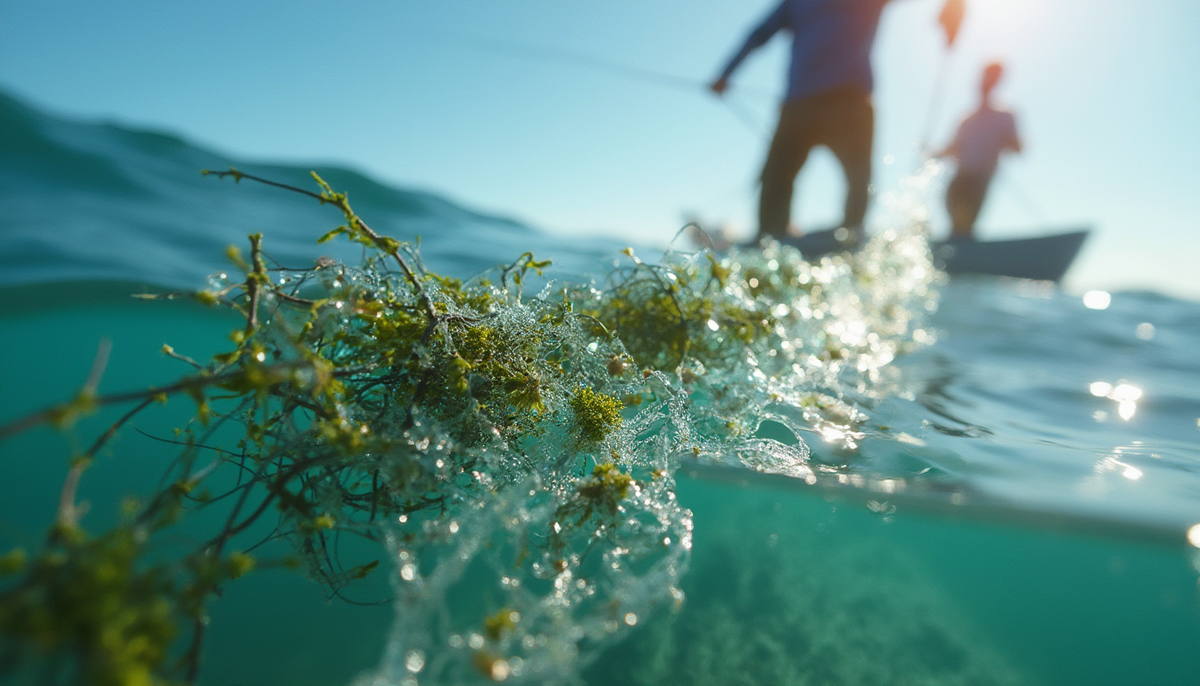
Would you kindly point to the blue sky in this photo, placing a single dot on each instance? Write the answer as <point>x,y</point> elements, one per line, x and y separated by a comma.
<point>1107,94</point>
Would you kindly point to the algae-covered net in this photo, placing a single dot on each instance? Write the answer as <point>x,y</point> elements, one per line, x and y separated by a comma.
<point>512,454</point>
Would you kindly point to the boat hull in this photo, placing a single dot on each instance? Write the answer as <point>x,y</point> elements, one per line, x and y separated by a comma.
<point>1044,258</point>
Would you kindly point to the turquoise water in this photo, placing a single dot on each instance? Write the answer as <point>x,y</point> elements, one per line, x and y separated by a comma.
<point>1014,510</point>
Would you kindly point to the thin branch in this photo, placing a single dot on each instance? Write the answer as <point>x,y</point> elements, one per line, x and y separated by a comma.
<point>275,375</point>
<point>98,366</point>
<point>293,299</point>
<point>254,279</point>
<point>67,512</point>
<point>388,246</point>
<point>170,352</point>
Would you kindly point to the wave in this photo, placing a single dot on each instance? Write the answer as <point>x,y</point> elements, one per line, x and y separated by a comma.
<point>103,201</point>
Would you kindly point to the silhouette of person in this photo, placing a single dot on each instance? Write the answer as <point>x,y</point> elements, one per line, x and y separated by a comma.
<point>981,138</point>
<point>828,100</point>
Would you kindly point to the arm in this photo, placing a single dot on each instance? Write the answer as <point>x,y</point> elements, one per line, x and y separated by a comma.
<point>759,36</point>
<point>951,19</point>
<point>1014,139</point>
<point>951,150</point>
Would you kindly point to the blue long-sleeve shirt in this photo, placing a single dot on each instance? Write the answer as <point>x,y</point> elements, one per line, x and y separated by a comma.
<point>831,43</point>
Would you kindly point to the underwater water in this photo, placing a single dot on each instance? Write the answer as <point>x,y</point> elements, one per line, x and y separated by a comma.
<point>968,482</point>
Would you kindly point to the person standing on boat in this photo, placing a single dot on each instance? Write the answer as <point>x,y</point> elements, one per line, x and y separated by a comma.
<point>981,138</point>
<point>828,100</point>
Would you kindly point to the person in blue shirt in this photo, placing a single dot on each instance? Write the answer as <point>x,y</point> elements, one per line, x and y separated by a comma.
<point>828,100</point>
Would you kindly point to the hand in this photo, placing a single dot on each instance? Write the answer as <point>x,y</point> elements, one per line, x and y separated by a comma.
<point>719,86</point>
<point>951,19</point>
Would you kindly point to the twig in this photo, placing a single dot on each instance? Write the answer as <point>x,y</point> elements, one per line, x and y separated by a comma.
<point>170,352</point>
<point>275,372</point>
<point>67,513</point>
<point>254,279</point>
<point>293,299</point>
<point>388,246</point>
<point>98,366</point>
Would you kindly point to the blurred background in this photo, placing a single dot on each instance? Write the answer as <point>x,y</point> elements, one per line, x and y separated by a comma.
<point>562,115</point>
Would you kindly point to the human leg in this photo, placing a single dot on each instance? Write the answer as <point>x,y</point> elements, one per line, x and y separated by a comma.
<point>787,154</point>
<point>849,132</point>
<point>964,200</point>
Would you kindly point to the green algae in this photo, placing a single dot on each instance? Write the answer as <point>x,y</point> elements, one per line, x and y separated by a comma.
<point>598,414</point>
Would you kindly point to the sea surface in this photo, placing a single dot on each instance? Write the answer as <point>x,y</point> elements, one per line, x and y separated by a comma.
<point>1013,506</point>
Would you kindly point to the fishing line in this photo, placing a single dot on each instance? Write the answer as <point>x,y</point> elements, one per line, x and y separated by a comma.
<point>936,100</point>
<point>549,55</point>
<point>745,116</point>
<point>733,99</point>
<point>1022,197</point>
<point>546,54</point>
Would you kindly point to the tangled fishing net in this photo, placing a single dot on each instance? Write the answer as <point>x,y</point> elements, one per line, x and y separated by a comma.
<point>513,453</point>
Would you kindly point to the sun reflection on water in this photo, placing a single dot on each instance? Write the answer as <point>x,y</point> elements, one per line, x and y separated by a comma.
<point>1097,300</point>
<point>1126,395</point>
<point>1193,535</point>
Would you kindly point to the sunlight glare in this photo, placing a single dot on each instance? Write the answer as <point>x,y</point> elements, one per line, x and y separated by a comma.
<point>1097,300</point>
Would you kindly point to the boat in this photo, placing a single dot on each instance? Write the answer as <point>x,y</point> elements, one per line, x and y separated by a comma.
<point>1043,258</point>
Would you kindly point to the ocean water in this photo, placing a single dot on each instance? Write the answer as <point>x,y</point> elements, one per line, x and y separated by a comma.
<point>1000,492</point>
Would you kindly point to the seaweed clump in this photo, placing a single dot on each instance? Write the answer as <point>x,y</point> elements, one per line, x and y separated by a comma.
<point>517,450</point>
